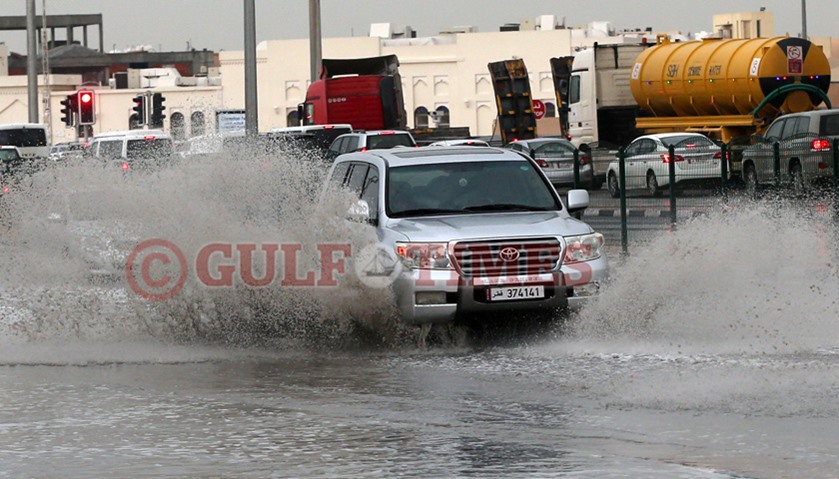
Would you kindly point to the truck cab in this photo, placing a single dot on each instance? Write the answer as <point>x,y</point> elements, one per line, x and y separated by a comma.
<point>363,92</point>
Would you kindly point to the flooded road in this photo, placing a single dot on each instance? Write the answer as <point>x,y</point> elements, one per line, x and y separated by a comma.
<point>548,410</point>
<point>712,353</point>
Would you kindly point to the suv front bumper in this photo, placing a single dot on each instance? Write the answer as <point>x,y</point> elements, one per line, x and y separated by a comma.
<point>441,296</point>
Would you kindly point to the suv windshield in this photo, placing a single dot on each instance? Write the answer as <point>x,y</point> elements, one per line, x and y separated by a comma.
<point>451,188</point>
<point>383,142</point>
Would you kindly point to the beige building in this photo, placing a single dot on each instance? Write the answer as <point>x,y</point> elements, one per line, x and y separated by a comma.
<point>443,72</point>
<point>447,72</point>
<point>745,25</point>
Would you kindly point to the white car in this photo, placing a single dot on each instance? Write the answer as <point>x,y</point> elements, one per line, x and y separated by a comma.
<point>697,160</point>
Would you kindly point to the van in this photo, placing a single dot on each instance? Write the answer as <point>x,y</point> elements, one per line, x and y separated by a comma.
<point>134,149</point>
<point>29,138</point>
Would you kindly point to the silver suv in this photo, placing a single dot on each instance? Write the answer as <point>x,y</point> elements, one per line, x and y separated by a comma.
<point>471,231</point>
<point>369,140</point>
<point>805,142</point>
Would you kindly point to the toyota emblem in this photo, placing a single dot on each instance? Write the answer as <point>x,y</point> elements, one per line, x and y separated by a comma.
<point>509,254</point>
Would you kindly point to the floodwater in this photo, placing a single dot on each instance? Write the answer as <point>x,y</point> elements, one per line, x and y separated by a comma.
<point>713,353</point>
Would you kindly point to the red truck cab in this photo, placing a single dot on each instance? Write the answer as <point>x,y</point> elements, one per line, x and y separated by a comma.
<point>364,92</point>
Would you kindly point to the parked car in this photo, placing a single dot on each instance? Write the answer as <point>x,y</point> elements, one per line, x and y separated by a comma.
<point>460,142</point>
<point>472,231</point>
<point>369,140</point>
<point>805,143</point>
<point>698,160</point>
<point>556,157</point>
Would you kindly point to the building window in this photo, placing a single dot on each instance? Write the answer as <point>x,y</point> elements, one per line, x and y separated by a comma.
<point>550,109</point>
<point>293,118</point>
<point>421,117</point>
<point>177,126</point>
<point>442,116</point>
<point>197,123</point>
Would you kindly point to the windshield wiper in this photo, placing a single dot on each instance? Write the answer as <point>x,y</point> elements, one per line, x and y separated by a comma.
<point>424,212</point>
<point>506,207</point>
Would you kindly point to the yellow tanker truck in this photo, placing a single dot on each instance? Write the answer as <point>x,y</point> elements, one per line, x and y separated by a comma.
<point>726,89</point>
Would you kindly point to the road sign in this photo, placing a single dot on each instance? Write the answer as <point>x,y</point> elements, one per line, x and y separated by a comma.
<point>539,109</point>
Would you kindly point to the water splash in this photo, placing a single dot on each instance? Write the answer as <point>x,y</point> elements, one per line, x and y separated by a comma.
<point>74,216</point>
<point>760,279</point>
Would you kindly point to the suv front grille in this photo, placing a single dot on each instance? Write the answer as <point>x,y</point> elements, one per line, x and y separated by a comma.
<point>512,257</point>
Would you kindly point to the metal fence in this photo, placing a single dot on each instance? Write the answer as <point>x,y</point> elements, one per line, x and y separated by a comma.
<point>646,193</point>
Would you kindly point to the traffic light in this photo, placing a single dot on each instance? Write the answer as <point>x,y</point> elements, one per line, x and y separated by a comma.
<point>68,109</point>
<point>157,108</point>
<point>86,103</point>
<point>140,108</point>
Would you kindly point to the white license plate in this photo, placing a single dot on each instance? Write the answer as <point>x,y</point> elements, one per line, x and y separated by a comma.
<point>512,293</point>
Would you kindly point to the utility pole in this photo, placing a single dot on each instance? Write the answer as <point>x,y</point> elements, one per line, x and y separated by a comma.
<point>804,19</point>
<point>31,62</point>
<point>315,49</point>
<point>251,106</point>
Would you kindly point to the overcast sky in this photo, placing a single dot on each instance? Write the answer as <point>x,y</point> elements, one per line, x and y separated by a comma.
<point>171,25</point>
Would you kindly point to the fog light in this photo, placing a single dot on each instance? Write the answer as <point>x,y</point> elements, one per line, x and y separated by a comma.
<point>584,290</point>
<point>431,297</point>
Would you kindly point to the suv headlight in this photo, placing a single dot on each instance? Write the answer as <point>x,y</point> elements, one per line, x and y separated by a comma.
<point>583,247</point>
<point>423,255</point>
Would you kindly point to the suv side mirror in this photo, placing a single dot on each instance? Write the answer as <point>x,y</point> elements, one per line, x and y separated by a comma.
<point>578,200</point>
<point>758,138</point>
<point>359,212</point>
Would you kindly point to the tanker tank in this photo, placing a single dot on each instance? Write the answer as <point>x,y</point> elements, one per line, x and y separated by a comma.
<point>715,77</point>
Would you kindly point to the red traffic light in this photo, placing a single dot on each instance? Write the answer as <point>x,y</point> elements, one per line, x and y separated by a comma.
<point>87,115</point>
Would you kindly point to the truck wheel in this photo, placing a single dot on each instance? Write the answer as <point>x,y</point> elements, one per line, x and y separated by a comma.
<point>750,179</point>
<point>652,184</point>
<point>612,185</point>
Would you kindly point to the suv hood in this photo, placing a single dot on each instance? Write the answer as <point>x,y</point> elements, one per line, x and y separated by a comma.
<point>488,225</point>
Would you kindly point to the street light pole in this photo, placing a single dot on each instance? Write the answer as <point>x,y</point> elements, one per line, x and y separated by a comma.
<point>251,112</point>
<point>314,39</point>
<point>804,19</point>
<point>31,62</point>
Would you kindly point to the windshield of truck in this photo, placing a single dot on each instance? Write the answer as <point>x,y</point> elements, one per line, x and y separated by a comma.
<point>467,187</point>
<point>382,142</point>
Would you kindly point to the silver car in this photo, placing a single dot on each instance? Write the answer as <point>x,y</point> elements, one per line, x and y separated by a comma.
<point>472,231</point>
<point>805,149</point>
<point>556,157</point>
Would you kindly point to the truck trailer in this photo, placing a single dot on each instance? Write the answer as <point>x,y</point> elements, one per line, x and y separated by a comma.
<point>728,90</point>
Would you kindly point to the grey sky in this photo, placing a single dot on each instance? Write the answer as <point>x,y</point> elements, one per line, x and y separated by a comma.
<point>218,24</point>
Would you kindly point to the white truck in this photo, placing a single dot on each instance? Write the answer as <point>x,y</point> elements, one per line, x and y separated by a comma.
<point>598,110</point>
